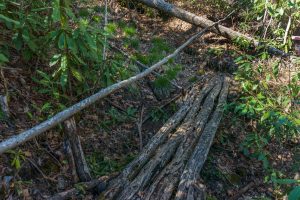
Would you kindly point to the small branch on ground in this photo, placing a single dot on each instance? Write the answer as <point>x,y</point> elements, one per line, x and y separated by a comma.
<point>139,127</point>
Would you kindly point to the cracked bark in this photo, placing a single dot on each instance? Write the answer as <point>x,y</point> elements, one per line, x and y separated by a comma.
<point>170,164</point>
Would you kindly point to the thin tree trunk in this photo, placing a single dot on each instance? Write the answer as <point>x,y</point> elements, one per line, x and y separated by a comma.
<point>78,155</point>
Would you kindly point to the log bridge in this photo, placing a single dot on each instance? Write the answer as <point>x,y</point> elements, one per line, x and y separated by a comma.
<point>169,166</point>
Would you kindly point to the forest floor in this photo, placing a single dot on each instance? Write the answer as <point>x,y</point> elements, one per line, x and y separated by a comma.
<point>110,143</point>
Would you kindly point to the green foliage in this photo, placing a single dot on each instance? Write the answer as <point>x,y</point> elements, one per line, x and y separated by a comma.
<point>117,117</point>
<point>158,114</point>
<point>158,50</point>
<point>101,165</point>
<point>268,106</point>
<point>17,157</point>
<point>170,73</point>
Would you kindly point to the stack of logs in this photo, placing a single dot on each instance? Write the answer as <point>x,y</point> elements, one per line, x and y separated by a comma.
<point>169,166</point>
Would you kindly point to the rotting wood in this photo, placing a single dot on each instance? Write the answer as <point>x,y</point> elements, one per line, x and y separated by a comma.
<point>67,113</point>
<point>167,165</point>
<point>203,22</point>
<point>77,152</point>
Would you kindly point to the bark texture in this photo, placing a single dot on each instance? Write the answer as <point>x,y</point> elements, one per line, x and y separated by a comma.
<point>169,166</point>
<point>77,152</point>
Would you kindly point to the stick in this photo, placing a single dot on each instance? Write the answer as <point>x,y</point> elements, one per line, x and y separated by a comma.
<point>105,38</point>
<point>287,30</point>
<point>74,191</point>
<point>203,22</point>
<point>67,113</point>
<point>139,127</point>
<point>242,191</point>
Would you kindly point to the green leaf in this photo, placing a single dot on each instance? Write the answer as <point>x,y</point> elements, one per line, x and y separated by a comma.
<point>71,44</point>
<point>54,59</point>
<point>77,74</point>
<point>64,71</point>
<point>9,20</point>
<point>3,58</point>
<point>265,116</point>
<point>294,194</point>
<point>280,11</point>
<point>286,181</point>
<point>56,11</point>
<point>61,41</point>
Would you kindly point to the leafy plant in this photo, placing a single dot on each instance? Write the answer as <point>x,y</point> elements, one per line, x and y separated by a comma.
<point>158,114</point>
<point>18,157</point>
<point>101,165</point>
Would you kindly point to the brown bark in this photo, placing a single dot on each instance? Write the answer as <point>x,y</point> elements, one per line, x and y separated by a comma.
<point>77,152</point>
<point>169,166</point>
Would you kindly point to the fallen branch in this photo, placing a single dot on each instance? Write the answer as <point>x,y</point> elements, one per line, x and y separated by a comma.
<point>204,23</point>
<point>67,113</point>
<point>100,183</point>
<point>243,190</point>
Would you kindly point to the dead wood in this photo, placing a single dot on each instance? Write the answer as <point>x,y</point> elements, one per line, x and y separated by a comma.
<point>169,166</point>
<point>77,152</point>
<point>204,23</point>
<point>99,184</point>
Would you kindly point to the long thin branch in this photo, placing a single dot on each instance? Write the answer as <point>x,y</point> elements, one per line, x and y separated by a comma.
<point>105,37</point>
<point>67,113</point>
<point>287,30</point>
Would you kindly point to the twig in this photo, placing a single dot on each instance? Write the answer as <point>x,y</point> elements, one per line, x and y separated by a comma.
<point>243,190</point>
<point>115,105</point>
<point>105,38</point>
<point>40,171</point>
<point>266,30</point>
<point>76,190</point>
<point>139,126</point>
<point>287,30</point>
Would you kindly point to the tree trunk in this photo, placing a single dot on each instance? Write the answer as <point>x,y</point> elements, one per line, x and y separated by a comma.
<point>169,166</point>
<point>78,155</point>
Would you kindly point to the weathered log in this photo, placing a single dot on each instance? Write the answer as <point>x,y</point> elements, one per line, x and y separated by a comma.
<point>203,22</point>
<point>77,152</point>
<point>167,167</point>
